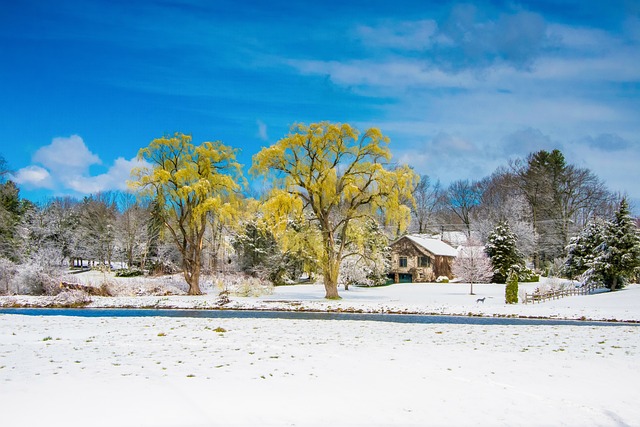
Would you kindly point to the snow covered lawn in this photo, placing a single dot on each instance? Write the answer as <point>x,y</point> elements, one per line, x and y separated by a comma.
<point>454,298</point>
<point>77,371</point>
<point>420,298</point>
<point>72,371</point>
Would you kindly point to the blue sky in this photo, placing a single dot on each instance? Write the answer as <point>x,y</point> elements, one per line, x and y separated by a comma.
<point>460,88</point>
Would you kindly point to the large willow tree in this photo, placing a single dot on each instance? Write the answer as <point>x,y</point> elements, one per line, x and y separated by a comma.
<point>339,179</point>
<point>189,183</point>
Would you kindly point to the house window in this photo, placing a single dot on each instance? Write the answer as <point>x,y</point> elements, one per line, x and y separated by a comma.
<point>424,261</point>
<point>402,261</point>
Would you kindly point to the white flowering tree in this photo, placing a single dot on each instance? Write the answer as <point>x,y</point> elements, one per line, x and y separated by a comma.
<point>472,265</point>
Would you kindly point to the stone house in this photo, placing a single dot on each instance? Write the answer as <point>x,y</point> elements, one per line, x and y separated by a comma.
<point>420,258</point>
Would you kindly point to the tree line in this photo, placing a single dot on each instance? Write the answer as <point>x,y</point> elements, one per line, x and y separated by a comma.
<point>333,200</point>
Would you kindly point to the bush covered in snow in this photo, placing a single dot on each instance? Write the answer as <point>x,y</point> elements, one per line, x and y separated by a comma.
<point>71,299</point>
<point>8,270</point>
<point>242,285</point>
<point>525,274</point>
<point>129,272</point>
<point>35,279</point>
<point>552,285</point>
<point>356,270</point>
<point>141,287</point>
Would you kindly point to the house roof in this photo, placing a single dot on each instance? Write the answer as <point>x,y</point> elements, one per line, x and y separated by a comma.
<point>435,246</point>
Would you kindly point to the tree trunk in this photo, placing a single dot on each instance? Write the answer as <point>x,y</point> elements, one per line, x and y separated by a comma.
<point>331,290</point>
<point>191,271</point>
<point>471,291</point>
<point>614,283</point>
<point>331,280</point>
<point>193,279</point>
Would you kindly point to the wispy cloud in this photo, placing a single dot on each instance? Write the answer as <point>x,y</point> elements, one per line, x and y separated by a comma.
<point>525,141</point>
<point>407,35</point>
<point>262,130</point>
<point>608,142</point>
<point>466,39</point>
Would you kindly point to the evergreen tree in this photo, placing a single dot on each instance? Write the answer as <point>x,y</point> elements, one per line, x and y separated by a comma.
<point>511,290</point>
<point>260,255</point>
<point>582,249</point>
<point>501,248</point>
<point>256,248</point>
<point>619,253</point>
<point>11,210</point>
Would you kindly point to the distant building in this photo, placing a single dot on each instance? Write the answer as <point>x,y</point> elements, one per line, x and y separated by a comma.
<point>454,238</point>
<point>420,258</point>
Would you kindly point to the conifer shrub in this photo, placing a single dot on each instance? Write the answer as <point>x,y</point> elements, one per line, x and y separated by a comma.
<point>511,290</point>
<point>129,272</point>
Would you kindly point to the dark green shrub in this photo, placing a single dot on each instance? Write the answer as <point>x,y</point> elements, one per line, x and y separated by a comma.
<point>511,290</point>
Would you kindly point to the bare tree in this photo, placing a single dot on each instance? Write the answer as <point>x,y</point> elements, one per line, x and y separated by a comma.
<point>428,196</point>
<point>502,200</point>
<point>561,198</point>
<point>133,229</point>
<point>98,215</point>
<point>463,197</point>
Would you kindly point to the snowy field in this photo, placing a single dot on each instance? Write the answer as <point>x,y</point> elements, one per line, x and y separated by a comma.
<point>75,371</point>
<point>71,371</point>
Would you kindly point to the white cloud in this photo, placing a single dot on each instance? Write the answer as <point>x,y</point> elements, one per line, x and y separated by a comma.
<point>66,156</point>
<point>65,168</point>
<point>33,176</point>
<point>114,179</point>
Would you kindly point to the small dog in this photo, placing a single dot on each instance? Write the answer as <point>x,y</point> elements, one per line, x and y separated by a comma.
<point>481,300</point>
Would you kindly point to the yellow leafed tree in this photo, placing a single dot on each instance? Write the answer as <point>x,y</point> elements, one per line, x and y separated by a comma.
<point>189,183</point>
<point>340,179</point>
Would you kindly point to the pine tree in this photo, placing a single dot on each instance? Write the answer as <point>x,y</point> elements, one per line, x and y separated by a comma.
<point>619,253</point>
<point>582,249</point>
<point>501,248</point>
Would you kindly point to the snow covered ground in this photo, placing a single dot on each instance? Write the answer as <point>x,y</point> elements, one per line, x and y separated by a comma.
<point>71,371</point>
<point>75,371</point>
<point>421,298</point>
